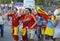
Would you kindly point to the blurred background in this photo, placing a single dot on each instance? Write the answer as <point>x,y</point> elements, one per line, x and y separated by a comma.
<point>7,4</point>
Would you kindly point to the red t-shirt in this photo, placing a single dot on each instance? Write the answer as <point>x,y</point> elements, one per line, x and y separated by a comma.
<point>22,18</point>
<point>32,21</point>
<point>15,20</point>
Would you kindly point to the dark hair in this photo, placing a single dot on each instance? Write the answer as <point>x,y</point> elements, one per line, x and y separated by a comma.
<point>16,9</point>
<point>29,10</point>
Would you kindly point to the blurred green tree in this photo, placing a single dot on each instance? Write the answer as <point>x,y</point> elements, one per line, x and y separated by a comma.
<point>9,1</point>
<point>39,2</point>
<point>6,1</point>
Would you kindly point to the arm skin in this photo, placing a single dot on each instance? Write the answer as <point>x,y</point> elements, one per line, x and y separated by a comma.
<point>34,20</point>
<point>56,22</point>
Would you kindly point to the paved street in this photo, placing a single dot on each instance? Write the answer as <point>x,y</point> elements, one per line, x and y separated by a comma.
<point>7,34</point>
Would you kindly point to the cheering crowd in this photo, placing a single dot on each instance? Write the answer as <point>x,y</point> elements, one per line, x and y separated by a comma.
<point>36,23</point>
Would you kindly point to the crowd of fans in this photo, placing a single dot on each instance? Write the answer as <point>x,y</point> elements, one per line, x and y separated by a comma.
<point>37,24</point>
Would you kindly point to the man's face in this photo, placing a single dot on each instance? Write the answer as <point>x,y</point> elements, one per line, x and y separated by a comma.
<point>27,11</point>
<point>15,10</point>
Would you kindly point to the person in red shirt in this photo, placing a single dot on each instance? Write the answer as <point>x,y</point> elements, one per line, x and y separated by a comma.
<point>25,23</point>
<point>24,37</point>
<point>15,23</point>
<point>31,25</point>
<point>33,21</point>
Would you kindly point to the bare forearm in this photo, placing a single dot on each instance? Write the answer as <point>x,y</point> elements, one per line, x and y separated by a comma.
<point>26,20</point>
<point>34,24</point>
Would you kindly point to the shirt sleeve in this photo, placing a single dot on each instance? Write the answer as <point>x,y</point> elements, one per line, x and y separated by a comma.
<point>10,15</point>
